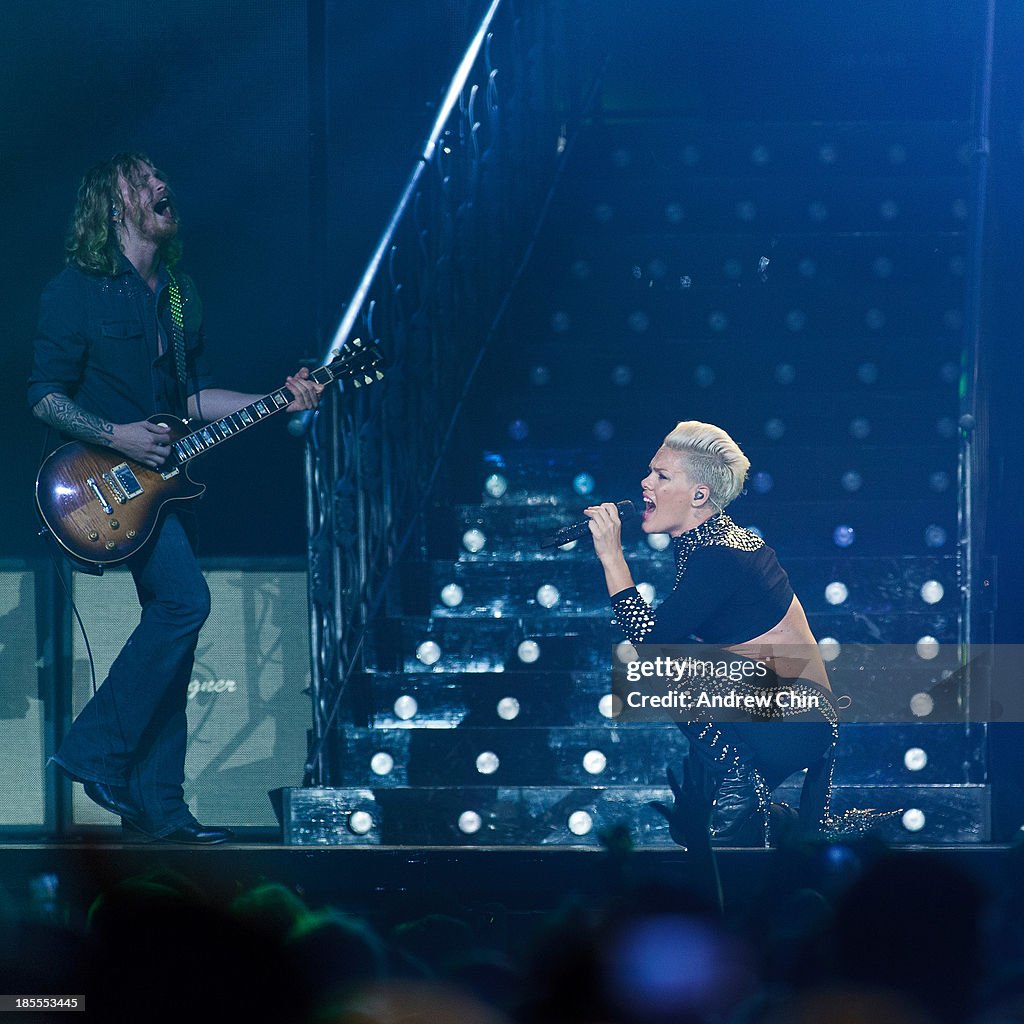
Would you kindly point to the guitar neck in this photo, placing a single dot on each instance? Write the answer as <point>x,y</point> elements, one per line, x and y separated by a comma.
<point>214,433</point>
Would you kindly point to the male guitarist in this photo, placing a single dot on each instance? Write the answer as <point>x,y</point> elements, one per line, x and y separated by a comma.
<point>120,339</point>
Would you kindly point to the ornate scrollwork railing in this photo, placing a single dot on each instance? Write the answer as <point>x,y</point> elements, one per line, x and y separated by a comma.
<point>430,296</point>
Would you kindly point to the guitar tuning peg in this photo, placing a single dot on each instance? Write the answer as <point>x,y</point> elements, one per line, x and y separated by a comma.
<point>356,382</point>
<point>367,379</point>
<point>380,375</point>
<point>357,343</point>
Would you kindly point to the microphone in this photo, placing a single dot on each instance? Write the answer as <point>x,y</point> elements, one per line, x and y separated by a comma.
<point>574,531</point>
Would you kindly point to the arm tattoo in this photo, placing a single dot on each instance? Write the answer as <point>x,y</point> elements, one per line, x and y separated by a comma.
<point>62,414</point>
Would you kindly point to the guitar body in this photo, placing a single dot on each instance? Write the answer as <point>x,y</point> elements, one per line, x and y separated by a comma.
<point>101,506</point>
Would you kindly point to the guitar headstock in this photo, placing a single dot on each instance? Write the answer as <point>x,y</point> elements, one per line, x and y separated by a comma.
<point>358,363</point>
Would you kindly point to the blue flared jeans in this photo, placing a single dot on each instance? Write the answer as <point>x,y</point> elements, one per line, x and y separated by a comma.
<point>133,731</point>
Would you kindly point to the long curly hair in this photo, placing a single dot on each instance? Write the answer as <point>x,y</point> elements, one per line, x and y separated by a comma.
<point>92,241</point>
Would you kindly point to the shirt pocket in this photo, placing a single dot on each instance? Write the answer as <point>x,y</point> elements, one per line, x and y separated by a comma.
<point>113,331</point>
<point>120,351</point>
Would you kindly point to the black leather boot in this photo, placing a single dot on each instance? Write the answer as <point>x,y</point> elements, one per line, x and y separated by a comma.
<point>742,809</point>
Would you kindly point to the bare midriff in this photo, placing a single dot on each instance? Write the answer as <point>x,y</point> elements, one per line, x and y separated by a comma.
<point>788,648</point>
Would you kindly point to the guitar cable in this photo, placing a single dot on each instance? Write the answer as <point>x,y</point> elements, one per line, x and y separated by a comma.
<point>58,566</point>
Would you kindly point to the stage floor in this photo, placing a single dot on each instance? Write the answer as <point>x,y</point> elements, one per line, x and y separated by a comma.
<point>392,884</point>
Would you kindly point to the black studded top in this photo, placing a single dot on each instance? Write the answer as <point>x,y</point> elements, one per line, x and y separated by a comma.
<point>729,589</point>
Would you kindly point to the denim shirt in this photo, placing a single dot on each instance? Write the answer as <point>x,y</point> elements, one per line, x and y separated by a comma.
<point>99,342</point>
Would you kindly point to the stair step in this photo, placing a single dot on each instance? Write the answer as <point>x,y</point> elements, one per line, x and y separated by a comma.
<point>577,816</point>
<point>594,750</point>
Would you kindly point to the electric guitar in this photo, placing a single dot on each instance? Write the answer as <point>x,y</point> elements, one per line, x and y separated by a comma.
<point>102,507</point>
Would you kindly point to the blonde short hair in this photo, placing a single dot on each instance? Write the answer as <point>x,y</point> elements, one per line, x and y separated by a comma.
<point>715,458</point>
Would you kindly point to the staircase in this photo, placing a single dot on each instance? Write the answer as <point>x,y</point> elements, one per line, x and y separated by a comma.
<point>798,281</point>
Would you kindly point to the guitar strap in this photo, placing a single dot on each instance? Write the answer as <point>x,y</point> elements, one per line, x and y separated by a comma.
<point>178,342</point>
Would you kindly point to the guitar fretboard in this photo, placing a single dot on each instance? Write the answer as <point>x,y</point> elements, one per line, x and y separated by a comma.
<point>210,435</point>
<point>206,437</point>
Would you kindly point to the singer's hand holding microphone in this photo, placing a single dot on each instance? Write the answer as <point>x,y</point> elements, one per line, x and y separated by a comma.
<point>603,523</point>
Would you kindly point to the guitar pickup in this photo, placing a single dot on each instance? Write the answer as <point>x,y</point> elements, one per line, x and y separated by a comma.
<point>98,494</point>
<point>123,482</point>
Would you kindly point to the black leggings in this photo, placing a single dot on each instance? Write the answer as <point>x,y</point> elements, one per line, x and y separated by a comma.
<point>777,748</point>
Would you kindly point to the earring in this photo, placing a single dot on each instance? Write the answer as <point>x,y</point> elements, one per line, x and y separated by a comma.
<point>114,212</point>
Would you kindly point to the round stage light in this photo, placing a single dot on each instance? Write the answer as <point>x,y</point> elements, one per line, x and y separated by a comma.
<point>843,535</point>
<point>796,320</point>
<point>622,376</point>
<point>817,211</point>
<point>639,321</point>
<point>568,545</point>
<point>860,427</point>
<point>927,648</point>
<point>922,705</point>
<point>528,651</point>
<point>610,705</point>
<point>867,373</point>
<point>547,596</point>
<point>428,652</point>
<point>915,759</point>
<point>874,319</point>
<point>882,267</point>
<point>760,155</point>
<point>785,373</point>
<point>939,481</point>
<point>625,652</point>
<point>718,321</point>
<point>763,482</point>
<point>508,709</point>
<point>829,648</point>
<point>836,592</point>
<point>932,591</point>
<point>470,822</point>
<point>746,210</point>
<point>580,823</point>
<point>704,376</point>
<point>774,428</point>
<point>487,763</point>
<point>583,484</point>
<point>474,541</point>
<point>889,209</point>
<point>913,820</point>
<point>658,541</point>
<point>646,591</point>
<point>807,267</point>
<point>852,481</point>
<point>827,153</point>
<point>451,595</point>
<point>594,762</point>
<point>674,213</point>
<point>934,536</point>
<point>496,485</point>
<point>560,321</point>
<point>406,707</point>
<point>381,763</point>
<point>519,430</point>
<point>540,376</point>
<point>360,822</point>
<point>604,430</point>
